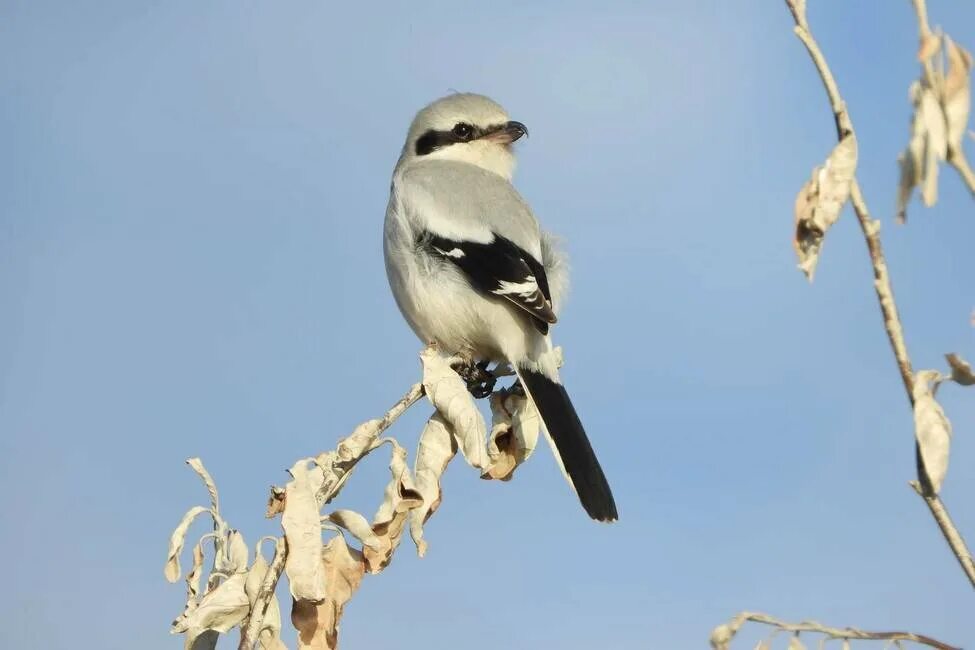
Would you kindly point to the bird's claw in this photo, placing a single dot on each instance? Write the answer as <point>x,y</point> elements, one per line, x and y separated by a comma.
<point>480,381</point>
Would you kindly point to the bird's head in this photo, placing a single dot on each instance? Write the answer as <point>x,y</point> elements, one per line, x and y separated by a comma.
<point>464,127</point>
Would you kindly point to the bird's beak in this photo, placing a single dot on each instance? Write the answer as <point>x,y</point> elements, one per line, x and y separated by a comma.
<point>507,133</point>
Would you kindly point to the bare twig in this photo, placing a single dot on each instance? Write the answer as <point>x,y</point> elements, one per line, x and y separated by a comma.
<point>252,632</point>
<point>952,536</point>
<point>882,285</point>
<point>723,634</point>
<point>955,155</point>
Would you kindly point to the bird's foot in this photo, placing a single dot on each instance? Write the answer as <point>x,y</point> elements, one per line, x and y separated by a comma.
<point>480,381</point>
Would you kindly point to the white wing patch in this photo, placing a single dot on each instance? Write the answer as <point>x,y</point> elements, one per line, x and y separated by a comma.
<point>525,289</point>
<point>455,252</point>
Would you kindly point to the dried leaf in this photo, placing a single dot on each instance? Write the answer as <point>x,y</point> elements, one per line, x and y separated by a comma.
<point>930,45</point>
<point>795,643</point>
<point>514,433</point>
<point>269,636</point>
<point>219,611</point>
<point>437,447</point>
<point>202,472</point>
<point>957,92</point>
<point>317,625</point>
<point>193,578</point>
<point>820,201</point>
<point>961,371</point>
<point>177,540</point>
<point>927,148</point>
<point>357,525</point>
<point>721,637</point>
<point>236,554</point>
<point>399,498</point>
<point>931,428</point>
<point>448,393</point>
<point>303,532</point>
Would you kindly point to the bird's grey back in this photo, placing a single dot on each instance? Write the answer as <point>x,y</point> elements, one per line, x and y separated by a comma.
<point>471,198</point>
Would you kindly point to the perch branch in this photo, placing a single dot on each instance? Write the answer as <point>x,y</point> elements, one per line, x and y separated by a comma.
<point>882,285</point>
<point>722,636</point>
<point>255,623</point>
<point>955,156</point>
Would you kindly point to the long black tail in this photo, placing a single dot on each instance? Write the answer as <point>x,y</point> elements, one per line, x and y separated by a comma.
<point>576,454</point>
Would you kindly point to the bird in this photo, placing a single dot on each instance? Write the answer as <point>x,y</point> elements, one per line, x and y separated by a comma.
<point>472,271</point>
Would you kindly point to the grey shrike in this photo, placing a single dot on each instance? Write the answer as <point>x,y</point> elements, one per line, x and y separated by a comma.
<point>472,272</point>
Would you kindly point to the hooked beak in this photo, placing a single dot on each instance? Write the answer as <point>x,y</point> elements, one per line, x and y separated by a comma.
<point>507,133</point>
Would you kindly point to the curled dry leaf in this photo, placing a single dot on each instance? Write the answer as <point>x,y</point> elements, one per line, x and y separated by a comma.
<point>721,636</point>
<point>436,448</point>
<point>197,465</point>
<point>269,636</point>
<point>193,578</point>
<point>927,148</point>
<point>237,554</point>
<point>961,371</point>
<point>357,525</point>
<point>449,395</point>
<point>399,498</point>
<point>515,425</point>
<point>317,624</point>
<point>820,201</point>
<point>218,611</point>
<point>177,540</point>
<point>957,92</point>
<point>303,532</point>
<point>931,428</point>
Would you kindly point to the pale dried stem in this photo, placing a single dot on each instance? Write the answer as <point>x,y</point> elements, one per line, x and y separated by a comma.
<point>255,623</point>
<point>833,633</point>
<point>882,285</point>
<point>956,156</point>
<point>952,536</point>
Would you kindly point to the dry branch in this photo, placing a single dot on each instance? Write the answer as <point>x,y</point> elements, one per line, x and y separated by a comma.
<point>882,285</point>
<point>722,635</point>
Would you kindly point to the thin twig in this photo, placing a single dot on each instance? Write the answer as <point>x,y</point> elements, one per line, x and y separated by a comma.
<point>255,623</point>
<point>723,635</point>
<point>882,285</point>
<point>952,536</point>
<point>955,155</point>
<point>275,504</point>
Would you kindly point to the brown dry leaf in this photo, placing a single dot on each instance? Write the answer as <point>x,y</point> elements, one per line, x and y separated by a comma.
<point>303,531</point>
<point>957,92</point>
<point>317,625</point>
<point>820,201</point>
<point>437,447</point>
<point>449,395</point>
<point>514,433</point>
<point>931,427</point>
<point>220,610</point>
<point>961,370</point>
<point>177,540</point>
<point>399,498</point>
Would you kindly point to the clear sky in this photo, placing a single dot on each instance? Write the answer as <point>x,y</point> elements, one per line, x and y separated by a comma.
<point>191,203</point>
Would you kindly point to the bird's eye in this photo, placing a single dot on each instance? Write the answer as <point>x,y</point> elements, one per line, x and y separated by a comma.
<point>463,131</point>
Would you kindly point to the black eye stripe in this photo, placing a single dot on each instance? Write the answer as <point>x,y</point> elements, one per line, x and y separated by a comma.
<point>433,140</point>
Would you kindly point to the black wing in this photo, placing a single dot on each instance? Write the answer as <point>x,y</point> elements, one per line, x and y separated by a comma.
<point>500,268</point>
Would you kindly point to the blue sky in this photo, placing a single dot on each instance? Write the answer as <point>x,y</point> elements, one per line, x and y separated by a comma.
<point>191,203</point>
